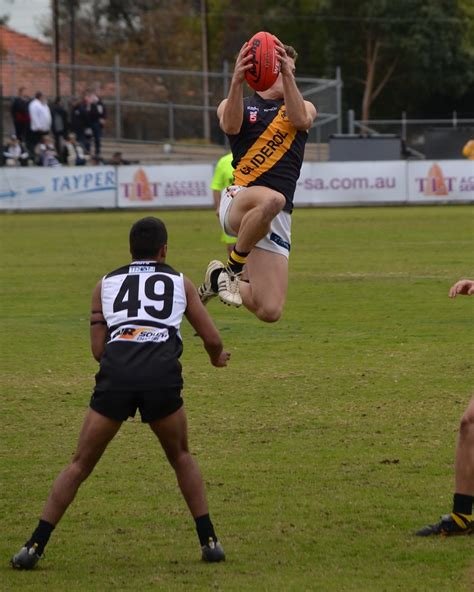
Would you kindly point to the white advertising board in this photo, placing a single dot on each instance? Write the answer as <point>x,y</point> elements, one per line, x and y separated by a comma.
<point>32,188</point>
<point>438,181</point>
<point>332,183</point>
<point>165,186</point>
<point>188,185</point>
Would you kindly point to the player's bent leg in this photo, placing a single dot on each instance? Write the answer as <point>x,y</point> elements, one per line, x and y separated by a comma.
<point>172,434</point>
<point>250,214</point>
<point>97,431</point>
<point>464,466</point>
<point>460,521</point>
<point>265,294</point>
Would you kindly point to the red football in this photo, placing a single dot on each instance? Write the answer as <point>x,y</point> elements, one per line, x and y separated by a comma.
<point>265,63</point>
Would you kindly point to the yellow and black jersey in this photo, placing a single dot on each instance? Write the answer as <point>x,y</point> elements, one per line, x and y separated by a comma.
<point>268,150</point>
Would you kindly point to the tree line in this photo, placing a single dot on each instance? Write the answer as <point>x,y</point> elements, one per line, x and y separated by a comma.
<point>410,55</point>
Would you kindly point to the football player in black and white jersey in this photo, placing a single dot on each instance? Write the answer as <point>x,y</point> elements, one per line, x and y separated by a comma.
<point>135,336</point>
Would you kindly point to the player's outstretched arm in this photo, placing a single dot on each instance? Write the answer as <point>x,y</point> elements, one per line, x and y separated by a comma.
<point>202,323</point>
<point>465,287</point>
<point>301,113</point>
<point>231,110</point>
<point>98,325</point>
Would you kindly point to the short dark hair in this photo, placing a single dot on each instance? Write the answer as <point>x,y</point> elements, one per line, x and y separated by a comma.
<point>147,236</point>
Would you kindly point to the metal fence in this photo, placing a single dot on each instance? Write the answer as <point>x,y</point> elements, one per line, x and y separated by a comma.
<point>148,104</point>
<point>420,136</point>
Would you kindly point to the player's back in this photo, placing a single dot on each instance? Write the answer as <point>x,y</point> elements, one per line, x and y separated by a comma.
<point>143,304</point>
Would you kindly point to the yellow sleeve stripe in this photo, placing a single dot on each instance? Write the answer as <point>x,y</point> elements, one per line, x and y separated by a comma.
<point>269,148</point>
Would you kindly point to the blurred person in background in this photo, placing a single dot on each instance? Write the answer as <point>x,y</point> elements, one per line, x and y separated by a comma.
<point>117,159</point>
<point>97,117</point>
<point>45,153</point>
<point>223,177</point>
<point>21,115</point>
<point>59,124</point>
<point>76,119</point>
<point>40,119</point>
<point>96,160</point>
<point>14,153</point>
<point>468,150</point>
<point>74,152</point>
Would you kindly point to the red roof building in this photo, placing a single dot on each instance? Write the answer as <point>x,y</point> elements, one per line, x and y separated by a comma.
<point>27,62</point>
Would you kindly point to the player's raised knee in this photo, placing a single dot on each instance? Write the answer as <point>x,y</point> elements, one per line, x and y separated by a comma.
<point>269,314</point>
<point>467,421</point>
<point>272,204</point>
<point>276,202</point>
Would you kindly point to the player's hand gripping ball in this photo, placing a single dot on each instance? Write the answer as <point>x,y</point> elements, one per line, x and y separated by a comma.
<point>265,63</point>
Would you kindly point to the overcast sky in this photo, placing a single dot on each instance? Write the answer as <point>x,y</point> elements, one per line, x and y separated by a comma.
<point>24,14</point>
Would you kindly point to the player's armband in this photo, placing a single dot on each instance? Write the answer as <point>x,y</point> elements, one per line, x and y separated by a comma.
<point>100,320</point>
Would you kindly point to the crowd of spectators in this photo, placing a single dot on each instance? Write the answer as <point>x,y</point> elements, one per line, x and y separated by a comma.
<point>55,134</point>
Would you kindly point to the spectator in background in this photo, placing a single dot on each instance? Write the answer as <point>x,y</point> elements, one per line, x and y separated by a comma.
<point>59,124</point>
<point>20,115</point>
<point>96,160</point>
<point>82,115</point>
<point>14,153</point>
<point>468,150</point>
<point>74,152</point>
<point>40,119</point>
<point>46,154</point>
<point>117,159</point>
<point>97,117</point>
<point>76,119</point>
<point>91,114</point>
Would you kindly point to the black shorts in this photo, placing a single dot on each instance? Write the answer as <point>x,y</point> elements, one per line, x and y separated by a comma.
<point>153,404</point>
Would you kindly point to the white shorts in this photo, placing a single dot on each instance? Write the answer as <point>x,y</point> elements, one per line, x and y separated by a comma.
<point>278,240</point>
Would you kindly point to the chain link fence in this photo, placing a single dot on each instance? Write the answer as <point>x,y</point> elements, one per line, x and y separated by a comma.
<point>155,105</point>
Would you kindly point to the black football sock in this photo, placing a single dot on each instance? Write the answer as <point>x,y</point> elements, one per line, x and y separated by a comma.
<point>462,504</point>
<point>204,529</point>
<point>40,536</point>
<point>236,260</point>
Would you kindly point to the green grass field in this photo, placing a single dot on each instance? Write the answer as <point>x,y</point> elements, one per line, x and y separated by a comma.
<point>327,441</point>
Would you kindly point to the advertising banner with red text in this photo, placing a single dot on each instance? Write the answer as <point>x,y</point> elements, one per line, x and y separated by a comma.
<point>164,186</point>
<point>441,181</point>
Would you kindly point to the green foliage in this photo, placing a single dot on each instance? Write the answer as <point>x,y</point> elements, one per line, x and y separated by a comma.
<point>404,55</point>
<point>326,442</point>
<point>427,41</point>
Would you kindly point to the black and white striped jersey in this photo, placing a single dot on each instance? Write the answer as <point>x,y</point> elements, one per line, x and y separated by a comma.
<point>143,304</point>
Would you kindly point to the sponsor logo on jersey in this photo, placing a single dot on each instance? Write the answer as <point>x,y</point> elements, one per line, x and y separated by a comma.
<point>269,148</point>
<point>142,268</point>
<point>140,334</point>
